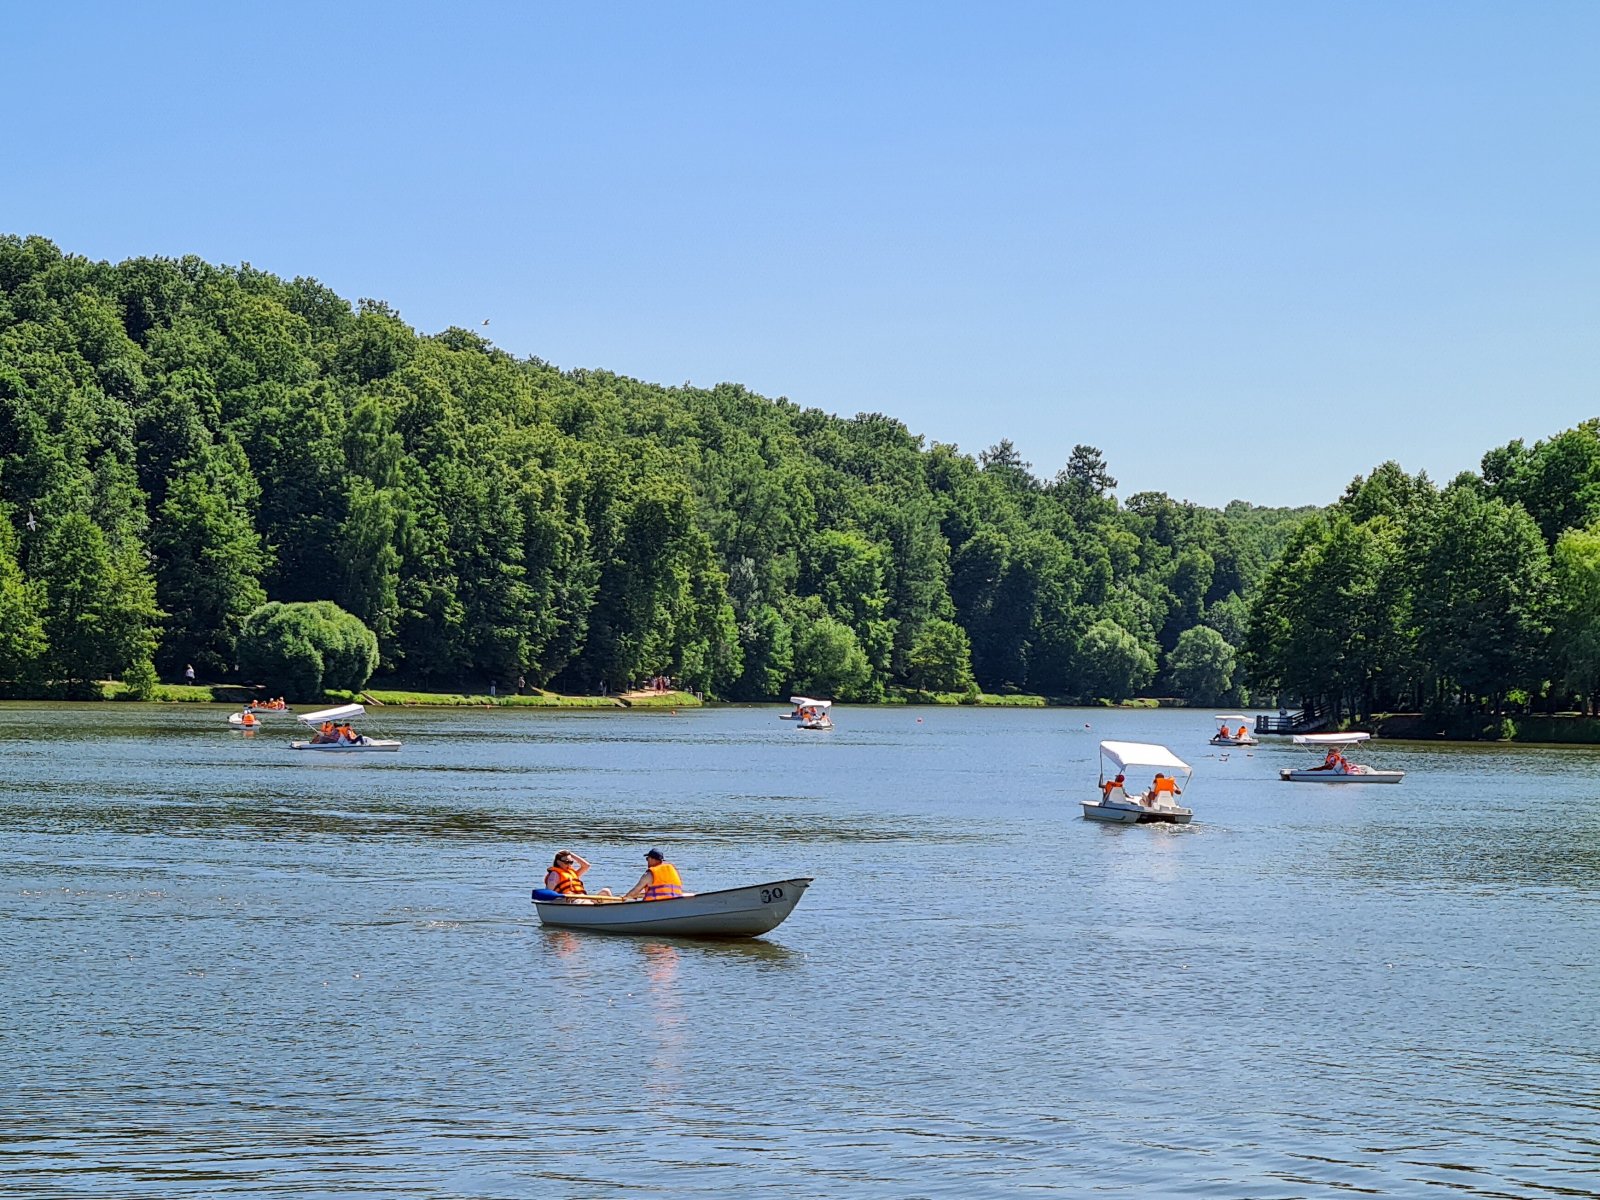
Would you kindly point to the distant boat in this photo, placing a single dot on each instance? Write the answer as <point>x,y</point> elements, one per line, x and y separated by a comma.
<point>1224,735</point>
<point>1335,768</point>
<point>801,703</point>
<point>343,713</point>
<point>730,913</point>
<point>1118,805</point>
<point>814,715</point>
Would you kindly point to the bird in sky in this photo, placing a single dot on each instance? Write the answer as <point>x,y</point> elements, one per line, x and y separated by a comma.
<point>486,320</point>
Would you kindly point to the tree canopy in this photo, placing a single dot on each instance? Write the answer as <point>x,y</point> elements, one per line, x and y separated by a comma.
<point>182,443</point>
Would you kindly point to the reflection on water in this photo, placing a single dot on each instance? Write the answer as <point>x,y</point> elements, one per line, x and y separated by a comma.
<point>226,971</point>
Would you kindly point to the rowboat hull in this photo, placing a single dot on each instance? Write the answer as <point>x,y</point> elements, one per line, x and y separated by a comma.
<point>1244,741</point>
<point>1366,775</point>
<point>365,745</point>
<point>1133,813</point>
<point>730,913</point>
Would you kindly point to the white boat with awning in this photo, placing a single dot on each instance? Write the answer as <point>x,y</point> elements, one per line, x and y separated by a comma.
<point>1233,731</point>
<point>732,912</point>
<point>801,703</point>
<point>1157,802</point>
<point>1335,767</point>
<point>814,715</point>
<point>339,744</point>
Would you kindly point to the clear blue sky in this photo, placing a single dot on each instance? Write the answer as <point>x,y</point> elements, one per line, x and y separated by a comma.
<point>1249,250</point>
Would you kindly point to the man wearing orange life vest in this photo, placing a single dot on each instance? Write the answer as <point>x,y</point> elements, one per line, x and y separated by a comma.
<point>248,720</point>
<point>566,876</point>
<point>660,880</point>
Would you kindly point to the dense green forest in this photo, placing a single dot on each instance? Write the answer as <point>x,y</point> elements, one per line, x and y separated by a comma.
<point>1464,600</point>
<point>189,451</point>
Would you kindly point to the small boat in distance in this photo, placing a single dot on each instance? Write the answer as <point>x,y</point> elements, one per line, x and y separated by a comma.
<point>1229,735</point>
<point>730,913</point>
<point>1157,803</point>
<point>339,741</point>
<point>245,719</point>
<point>801,703</point>
<point>814,715</point>
<point>1335,767</point>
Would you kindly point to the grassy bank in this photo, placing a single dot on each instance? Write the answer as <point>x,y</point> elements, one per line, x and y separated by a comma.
<point>533,699</point>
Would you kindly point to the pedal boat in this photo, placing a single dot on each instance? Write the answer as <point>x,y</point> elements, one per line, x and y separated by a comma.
<point>1344,772</point>
<point>344,712</point>
<point>1145,808</point>
<point>1223,738</point>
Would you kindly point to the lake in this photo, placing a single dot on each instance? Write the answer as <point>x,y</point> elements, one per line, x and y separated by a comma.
<point>226,970</point>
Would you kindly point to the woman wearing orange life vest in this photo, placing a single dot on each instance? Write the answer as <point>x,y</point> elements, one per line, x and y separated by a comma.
<point>566,875</point>
<point>660,880</point>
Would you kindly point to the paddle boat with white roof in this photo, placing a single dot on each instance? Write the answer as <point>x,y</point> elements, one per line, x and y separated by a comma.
<point>814,715</point>
<point>801,703</point>
<point>1230,735</point>
<point>339,743</point>
<point>1335,767</point>
<point>1157,803</point>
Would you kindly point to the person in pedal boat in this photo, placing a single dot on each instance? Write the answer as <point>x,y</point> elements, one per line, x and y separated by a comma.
<point>660,880</point>
<point>566,876</point>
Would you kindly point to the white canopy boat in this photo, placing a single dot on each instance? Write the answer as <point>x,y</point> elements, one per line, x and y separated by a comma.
<point>1335,768</point>
<point>732,912</point>
<point>343,713</point>
<point>800,704</point>
<point>815,715</point>
<point>1225,735</point>
<point>1138,808</point>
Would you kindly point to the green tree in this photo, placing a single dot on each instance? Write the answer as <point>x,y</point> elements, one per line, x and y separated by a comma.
<point>1201,665</point>
<point>1481,603</point>
<point>941,660</point>
<point>1113,664</point>
<point>304,649</point>
<point>22,644</point>
<point>1576,576</point>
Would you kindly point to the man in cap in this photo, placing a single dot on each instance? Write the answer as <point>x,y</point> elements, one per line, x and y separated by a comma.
<point>659,882</point>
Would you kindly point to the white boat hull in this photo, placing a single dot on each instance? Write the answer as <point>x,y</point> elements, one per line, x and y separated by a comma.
<point>822,724</point>
<point>732,912</point>
<point>366,744</point>
<point>1131,812</point>
<point>1244,741</point>
<point>238,722</point>
<point>1358,775</point>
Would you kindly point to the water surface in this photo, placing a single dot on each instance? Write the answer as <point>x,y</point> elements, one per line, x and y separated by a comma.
<point>227,969</point>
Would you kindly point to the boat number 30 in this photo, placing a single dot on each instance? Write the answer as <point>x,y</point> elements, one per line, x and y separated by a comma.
<point>768,895</point>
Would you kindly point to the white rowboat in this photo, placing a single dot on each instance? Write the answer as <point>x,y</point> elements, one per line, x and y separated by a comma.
<point>732,912</point>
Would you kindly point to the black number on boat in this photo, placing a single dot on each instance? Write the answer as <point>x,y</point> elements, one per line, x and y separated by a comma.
<point>768,895</point>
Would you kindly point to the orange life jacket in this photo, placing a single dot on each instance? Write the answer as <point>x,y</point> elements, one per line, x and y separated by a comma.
<point>567,881</point>
<point>1166,784</point>
<point>247,719</point>
<point>1242,732</point>
<point>664,883</point>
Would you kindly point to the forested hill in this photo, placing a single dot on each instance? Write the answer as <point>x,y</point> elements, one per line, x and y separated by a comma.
<point>181,443</point>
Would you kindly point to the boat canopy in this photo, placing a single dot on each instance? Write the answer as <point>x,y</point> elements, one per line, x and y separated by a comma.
<point>1143,754</point>
<point>1230,717</point>
<point>805,702</point>
<point>332,714</point>
<point>1329,739</point>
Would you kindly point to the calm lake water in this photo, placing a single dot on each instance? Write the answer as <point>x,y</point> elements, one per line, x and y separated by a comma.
<point>226,970</point>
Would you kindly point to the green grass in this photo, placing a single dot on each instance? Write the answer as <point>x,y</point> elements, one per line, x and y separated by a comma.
<point>534,699</point>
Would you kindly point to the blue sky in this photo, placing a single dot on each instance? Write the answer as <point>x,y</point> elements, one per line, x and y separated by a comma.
<point>1248,250</point>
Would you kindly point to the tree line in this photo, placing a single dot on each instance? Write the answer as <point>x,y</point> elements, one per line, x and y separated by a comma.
<point>188,448</point>
<point>1468,599</point>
